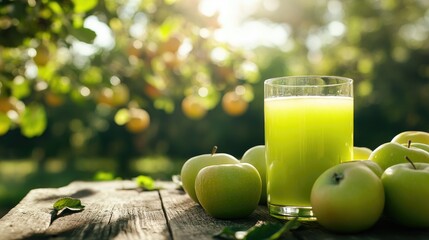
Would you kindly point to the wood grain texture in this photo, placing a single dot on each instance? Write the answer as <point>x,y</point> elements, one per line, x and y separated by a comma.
<point>117,210</point>
<point>187,219</point>
<point>113,210</point>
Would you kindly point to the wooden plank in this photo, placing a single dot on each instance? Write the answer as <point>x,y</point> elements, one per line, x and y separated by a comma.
<point>111,211</point>
<point>187,219</point>
<point>115,210</point>
<point>29,217</point>
<point>384,229</point>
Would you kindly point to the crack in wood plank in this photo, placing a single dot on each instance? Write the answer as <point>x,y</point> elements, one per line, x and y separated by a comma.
<point>165,215</point>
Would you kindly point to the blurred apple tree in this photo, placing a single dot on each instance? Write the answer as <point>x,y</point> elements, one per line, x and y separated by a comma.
<point>83,71</point>
<point>118,77</point>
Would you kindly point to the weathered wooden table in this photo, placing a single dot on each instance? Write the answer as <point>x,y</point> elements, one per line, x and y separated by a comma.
<point>116,210</point>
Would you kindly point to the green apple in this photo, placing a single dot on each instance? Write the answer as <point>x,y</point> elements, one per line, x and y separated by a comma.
<point>193,165</point>
<point>229,191</point>
<point>347,198</point>
<point>256,157</point>
<point>391,153</point>
<point>407,194</point>
<point>413,136</point>
<point>373,166</point>
<point>361,153</point>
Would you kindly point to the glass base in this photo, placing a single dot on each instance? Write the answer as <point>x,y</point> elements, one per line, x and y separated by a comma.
<point>291,212</point>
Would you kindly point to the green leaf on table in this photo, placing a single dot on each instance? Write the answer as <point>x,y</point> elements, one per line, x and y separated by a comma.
<point>145,182</point>
<point>272,231</point>
<point>72,204</point>
<point>67,203</point>
<point>265,231</point>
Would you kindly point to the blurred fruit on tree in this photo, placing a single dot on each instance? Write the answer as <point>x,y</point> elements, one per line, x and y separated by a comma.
<point>81,65</point>
<point>147,53</point>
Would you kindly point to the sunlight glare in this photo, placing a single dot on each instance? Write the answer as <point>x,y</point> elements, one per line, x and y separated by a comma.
<point>252,34</point>
<point>31,70</point>
<point>208,8</point>
<point>219,54</point>
<point>84,91</point>
<point>236,28</point>
<point>104,37</point>
<point>271,5</point>
<point>336,28</point>
<point>114,80</point>
<point>203,92</point>
<point>139,28</point>
<point>185,48</point>
<point>335,9</point>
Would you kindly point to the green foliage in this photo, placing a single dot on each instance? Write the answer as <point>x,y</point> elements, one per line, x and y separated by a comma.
<point>83,34</point>
<point>156,52</point>
<point>58,78</point>
<point>33,120</point>
<point>104,176</point>
<point>82,6</point>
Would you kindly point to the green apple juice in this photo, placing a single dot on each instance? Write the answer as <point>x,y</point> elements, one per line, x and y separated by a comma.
<point>304,136</point>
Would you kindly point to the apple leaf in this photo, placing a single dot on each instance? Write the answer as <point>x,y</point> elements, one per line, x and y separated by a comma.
<point>265,231</point>
<point>268,231</point>
<point>145,182</point>
<point>67,203</point>
<point>72,204</point>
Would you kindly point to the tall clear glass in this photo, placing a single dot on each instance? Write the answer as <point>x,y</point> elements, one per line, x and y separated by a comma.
<point>308,129</point>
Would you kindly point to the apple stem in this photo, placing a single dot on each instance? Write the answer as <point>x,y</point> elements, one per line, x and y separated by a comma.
<point>337,177</point>
<point>214,149</point>
<point>409,143</point>
<point>409,160</point>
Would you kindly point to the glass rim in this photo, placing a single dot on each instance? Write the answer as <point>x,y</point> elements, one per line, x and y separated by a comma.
<point>272,81</point>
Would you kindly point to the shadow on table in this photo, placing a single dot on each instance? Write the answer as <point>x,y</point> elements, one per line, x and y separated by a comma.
<point>78,194</point>
<point>94,230</point>
<point>384,229</point>
<point>193,221</point>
